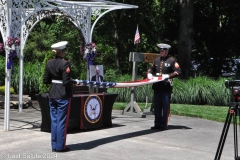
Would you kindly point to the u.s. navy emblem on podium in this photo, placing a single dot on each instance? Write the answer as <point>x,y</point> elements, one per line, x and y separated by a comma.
<point>93,109</point>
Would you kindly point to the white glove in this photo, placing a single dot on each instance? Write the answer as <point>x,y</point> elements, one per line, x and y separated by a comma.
<point>165,76</point>
<point>149,76</point>
<point>75,81</point>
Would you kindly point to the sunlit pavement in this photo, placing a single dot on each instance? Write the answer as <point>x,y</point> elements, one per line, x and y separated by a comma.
<point>130,138</point>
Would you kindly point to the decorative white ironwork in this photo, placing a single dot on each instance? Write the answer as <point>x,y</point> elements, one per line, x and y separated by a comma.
<point>18,17</point>
<point>27,13</point>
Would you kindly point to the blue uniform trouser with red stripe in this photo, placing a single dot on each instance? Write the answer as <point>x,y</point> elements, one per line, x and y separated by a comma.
<point>59,112</point>
<point>161,108</point>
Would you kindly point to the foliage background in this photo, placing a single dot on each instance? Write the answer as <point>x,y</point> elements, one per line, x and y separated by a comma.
<point>215,45</point>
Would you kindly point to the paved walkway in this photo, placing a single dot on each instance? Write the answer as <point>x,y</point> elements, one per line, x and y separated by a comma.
<point>130,138</point>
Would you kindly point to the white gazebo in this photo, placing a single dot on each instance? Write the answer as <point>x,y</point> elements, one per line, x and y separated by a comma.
<point>18,18</point>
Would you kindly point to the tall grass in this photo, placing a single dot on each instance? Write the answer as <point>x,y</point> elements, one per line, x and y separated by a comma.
<point>31,74</point>
<point>197,91</point>
<point>201,90</point>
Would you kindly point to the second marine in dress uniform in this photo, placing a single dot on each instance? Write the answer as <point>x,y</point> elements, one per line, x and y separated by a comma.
<point>167,67</point>
<point>58,74</point>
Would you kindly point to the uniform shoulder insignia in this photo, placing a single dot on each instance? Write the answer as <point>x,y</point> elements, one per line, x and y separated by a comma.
<point>176,65</point>
<point>68,70</point>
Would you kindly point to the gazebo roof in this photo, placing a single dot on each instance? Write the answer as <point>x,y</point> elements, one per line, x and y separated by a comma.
<point>32,11</point>
<point>96,3</point>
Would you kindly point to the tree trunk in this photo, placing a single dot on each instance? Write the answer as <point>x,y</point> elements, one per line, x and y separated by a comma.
<point>116,39</point>
<point>185,36</point>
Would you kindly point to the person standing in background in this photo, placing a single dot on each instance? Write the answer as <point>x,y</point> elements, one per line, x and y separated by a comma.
<point>58,74</point>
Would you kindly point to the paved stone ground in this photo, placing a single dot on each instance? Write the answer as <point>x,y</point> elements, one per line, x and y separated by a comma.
<point>130,138</point>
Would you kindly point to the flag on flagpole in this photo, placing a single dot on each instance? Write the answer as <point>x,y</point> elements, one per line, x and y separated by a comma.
<point>137,37</point>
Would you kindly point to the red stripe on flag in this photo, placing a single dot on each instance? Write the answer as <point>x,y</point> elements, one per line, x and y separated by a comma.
<point>137,37</point>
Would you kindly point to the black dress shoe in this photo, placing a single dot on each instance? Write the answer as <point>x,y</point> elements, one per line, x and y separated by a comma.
<point>162,128</point>
<point>64,150</point>
<point>155,127</point>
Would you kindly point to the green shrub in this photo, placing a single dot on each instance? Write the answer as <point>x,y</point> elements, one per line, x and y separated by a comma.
<point>31,74</point>
<point>111,75</point>
<point>2,70</point>
<point>2,90</point>
<point>198,91</point>
<point>201,91</point>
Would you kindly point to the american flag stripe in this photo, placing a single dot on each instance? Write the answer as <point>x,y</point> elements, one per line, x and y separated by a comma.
<point>137,37</point>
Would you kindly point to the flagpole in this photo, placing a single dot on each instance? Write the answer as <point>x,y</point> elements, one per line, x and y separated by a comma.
<point>133,106</point>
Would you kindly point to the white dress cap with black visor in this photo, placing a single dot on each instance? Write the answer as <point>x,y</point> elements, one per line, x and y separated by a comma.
<point>60,45</point>
<point>163,46</point>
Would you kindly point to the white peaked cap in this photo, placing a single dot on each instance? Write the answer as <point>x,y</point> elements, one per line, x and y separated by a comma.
<point>163,46</point>
<point>59,45</point>
<point>97,68</point>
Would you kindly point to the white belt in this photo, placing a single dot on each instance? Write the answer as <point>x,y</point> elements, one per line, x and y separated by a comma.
<point>57,81</point>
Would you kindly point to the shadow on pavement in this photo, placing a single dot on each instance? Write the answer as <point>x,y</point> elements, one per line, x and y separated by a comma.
<point>96,143</point>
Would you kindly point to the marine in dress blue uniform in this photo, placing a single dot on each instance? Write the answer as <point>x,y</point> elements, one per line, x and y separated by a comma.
<point>167,67</point>
<point>58,74</point>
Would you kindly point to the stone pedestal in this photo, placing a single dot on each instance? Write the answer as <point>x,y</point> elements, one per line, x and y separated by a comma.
<point>14,101</point>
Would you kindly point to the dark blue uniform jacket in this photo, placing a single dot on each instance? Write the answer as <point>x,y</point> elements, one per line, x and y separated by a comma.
<point>58,69</point>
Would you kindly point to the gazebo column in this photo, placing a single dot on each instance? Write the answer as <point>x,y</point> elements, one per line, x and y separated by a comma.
<point>7,71</point>
<point>20,104</point>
